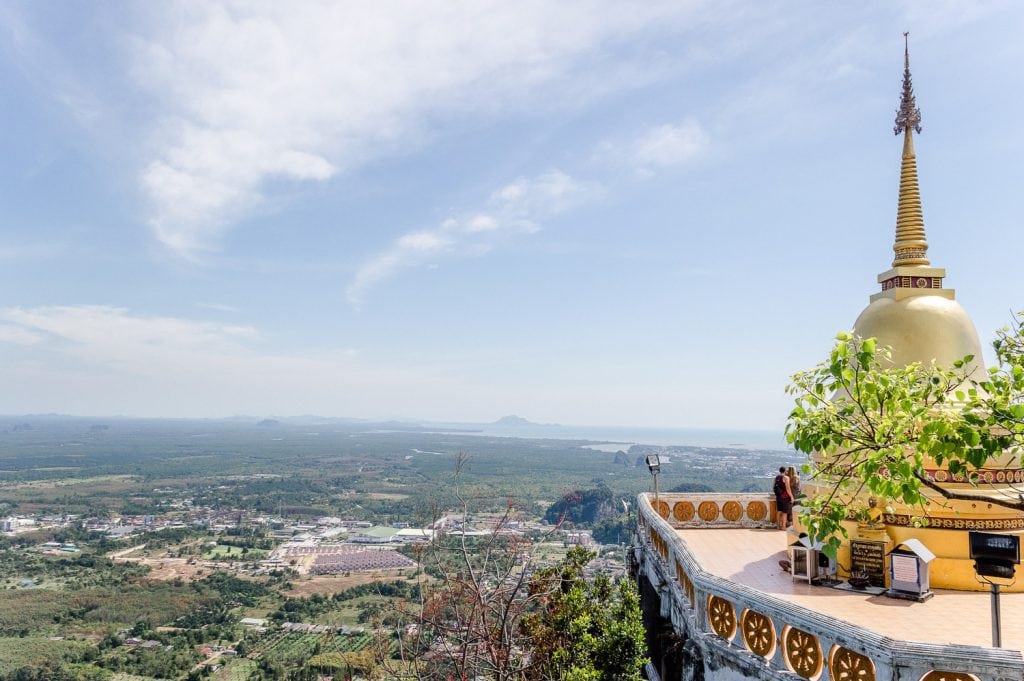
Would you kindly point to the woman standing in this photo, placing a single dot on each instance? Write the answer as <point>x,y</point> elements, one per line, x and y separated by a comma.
<point>783,498</point>
<point>794,489</point>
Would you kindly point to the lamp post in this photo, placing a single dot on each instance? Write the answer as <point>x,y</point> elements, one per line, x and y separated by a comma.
<point>654,466</point>
<point>995,556</point>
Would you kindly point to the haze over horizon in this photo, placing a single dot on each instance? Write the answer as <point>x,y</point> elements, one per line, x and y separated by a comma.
<point>586,212</point>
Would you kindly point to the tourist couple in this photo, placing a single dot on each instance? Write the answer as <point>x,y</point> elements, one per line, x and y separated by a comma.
<point>786,488</point>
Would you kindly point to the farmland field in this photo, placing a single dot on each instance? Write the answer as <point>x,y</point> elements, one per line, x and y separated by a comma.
<point>224,551</point>
<point>292,647</point>
<point>16,652</point>
<point>235,670</point>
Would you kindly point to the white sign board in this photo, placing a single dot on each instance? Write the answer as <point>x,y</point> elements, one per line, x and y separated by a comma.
<point>904,568</point>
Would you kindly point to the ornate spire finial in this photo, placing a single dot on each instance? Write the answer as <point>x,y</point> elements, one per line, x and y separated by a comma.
<point>908,115</point>
<point>911,245</point>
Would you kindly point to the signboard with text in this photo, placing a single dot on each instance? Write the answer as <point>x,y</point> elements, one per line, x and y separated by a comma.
<point>868,557</point>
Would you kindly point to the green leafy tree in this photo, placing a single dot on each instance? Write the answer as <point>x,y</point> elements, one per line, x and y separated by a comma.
<point>584,630</point>
<point>490,613</point>
<point>872,429</point>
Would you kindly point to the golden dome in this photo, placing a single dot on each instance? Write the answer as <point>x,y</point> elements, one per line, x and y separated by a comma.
<point>922,328</point>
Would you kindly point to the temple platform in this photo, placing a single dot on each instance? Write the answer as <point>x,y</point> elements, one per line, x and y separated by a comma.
<point>718,606</point>
<point>751,557</point>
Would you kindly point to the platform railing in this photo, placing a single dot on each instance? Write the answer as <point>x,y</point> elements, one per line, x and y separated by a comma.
<point>762,633</point>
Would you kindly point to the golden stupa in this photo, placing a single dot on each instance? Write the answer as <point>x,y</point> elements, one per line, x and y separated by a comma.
<point>921,321</point>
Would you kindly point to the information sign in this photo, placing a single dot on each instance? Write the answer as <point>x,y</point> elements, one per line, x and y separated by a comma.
<point>868,557</point>
<point>904,568</point>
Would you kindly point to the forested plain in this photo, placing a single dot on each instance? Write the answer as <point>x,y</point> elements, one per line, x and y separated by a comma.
<point>68,616</point>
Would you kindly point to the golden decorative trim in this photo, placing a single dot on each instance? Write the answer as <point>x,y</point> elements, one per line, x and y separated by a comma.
<point>683,511</point>
<point>708,511</point>
<point>985,475</point>
<point>662,508</point>
<point>846,665</point>
<point>759,633</point>
<point>732,511</point>
<point>757,510</point>
<point>802,652</point>
<point>902,520</point>
<point>721,617</point>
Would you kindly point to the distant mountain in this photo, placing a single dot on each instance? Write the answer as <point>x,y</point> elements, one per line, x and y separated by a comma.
<point>513,421</point>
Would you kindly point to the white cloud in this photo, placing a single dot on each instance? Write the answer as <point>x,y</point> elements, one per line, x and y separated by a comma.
<point>422,242</point>
<point>111,334</point>
<point>656,147</point>
<point>481,223</point>
<point>18,335</point>
<point>668,145</point>
<point>100,359</point>
<point>515,208</point>
<point>547,193</point>
<point>253,93</point>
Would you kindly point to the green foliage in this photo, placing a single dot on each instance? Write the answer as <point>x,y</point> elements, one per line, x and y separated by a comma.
<point>865,424</point>
<point>26,656</point>
<point>691,487</point>
<point>233,590</point>
<point>558,623</point>
<point>584,630</point>
<point>81,571</point>
<point>874,428</point>
<point>164,662</point>
<point>613,529</point>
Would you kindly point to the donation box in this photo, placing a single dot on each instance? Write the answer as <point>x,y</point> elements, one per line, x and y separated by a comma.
<point>908,571</point>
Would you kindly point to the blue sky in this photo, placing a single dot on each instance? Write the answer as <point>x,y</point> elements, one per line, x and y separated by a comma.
<point>585,212</point>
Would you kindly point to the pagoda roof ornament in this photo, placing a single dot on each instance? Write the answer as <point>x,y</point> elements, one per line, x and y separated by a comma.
<point>908,115</point>
<point>911,247</point>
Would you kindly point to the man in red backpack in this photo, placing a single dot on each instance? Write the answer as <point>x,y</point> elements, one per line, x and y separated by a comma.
<point>783,498</point>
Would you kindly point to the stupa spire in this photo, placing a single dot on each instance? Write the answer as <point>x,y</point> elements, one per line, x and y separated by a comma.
<point>911,246</point>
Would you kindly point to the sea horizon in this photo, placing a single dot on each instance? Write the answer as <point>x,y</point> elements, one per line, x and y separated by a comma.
<point>630,435</point>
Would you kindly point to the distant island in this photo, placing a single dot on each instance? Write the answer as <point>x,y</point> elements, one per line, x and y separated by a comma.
<point>514,421</point>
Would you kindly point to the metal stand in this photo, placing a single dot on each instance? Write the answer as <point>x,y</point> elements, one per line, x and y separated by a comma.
<point>995,556</point>
<point>997,634</point>
<point>654,466</point>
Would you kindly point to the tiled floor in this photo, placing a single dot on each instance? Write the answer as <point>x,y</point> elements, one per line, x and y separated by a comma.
<point>751,557</point>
